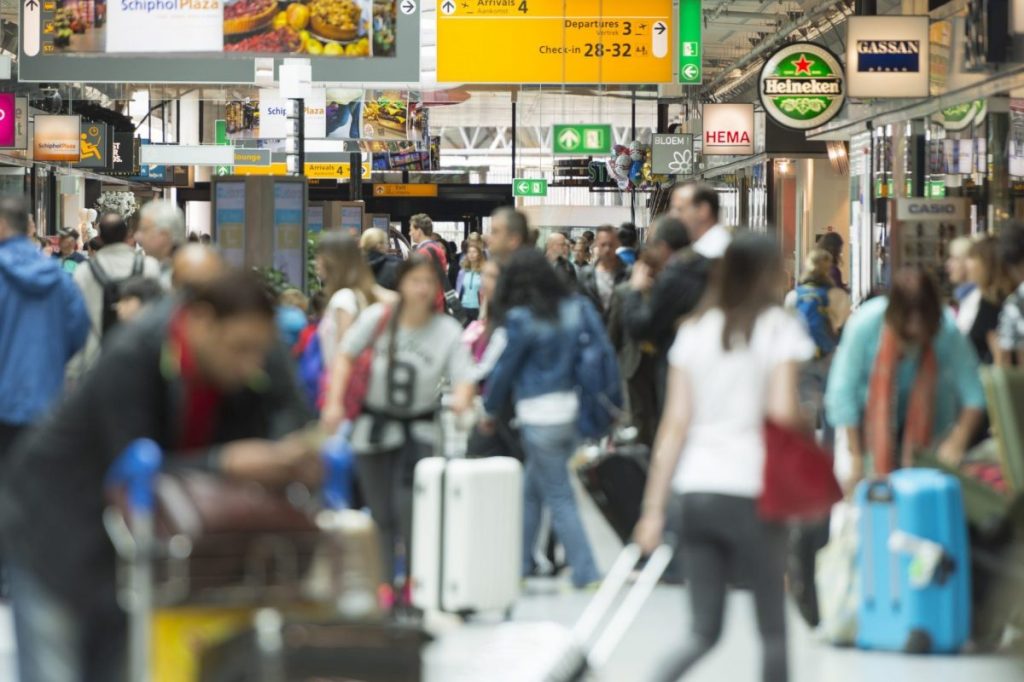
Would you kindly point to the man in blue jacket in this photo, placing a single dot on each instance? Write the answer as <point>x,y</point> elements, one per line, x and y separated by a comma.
<point>43,323</point>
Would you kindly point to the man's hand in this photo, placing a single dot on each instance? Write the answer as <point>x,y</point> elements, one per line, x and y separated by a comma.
<point>486,426</point>
<point>642,279</point>
<point>272,463</point>
<point>951,451</point>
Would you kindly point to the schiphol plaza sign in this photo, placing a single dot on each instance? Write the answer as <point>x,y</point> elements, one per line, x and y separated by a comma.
<point>802,86</point>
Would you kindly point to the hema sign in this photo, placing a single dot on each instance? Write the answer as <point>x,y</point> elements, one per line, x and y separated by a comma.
<point>887,56</point>
<point>728,129</point>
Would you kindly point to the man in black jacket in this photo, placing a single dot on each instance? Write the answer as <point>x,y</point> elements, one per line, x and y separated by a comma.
<point>599,280</point>
<point>657,300</point>
<point>205,380</point>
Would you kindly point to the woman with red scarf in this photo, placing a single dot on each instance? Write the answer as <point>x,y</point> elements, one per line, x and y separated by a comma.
<point>904,379</point>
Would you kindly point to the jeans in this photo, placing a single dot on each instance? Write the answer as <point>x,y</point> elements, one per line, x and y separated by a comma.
<point>722,535</point>
<point>58,644</point>
<point>812,382</point>
<point>548,449</point>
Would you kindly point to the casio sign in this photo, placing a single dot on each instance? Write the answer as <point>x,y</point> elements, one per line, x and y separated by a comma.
<point>931,209</point>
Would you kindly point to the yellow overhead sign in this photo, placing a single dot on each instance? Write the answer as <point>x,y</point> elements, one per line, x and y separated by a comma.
<point>330,169</point>
<point>537,41</point>
<point>317,170</point>
<point>405,190</point>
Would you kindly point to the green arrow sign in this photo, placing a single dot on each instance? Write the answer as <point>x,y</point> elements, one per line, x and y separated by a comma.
<point>529,187</point>
<point>221,133</point>
<point>584,138</point>
<point>691,47</point>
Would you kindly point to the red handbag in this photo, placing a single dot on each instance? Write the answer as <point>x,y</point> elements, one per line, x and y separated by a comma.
<point>359,378</point>
<point>799,481</point>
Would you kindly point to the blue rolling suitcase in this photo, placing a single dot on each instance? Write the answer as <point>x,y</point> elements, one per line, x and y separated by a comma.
<point>913,563</point>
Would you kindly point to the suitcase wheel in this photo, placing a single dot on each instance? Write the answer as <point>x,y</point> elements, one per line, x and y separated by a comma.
<point>919,642</point>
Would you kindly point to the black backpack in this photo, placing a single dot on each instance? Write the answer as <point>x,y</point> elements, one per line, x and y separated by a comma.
<point>112,290</point>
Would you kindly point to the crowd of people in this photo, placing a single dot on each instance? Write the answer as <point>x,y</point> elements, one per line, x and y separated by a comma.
<point>152,336</point>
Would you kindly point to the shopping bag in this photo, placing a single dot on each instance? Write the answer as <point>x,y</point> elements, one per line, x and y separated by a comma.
<point>799,483</point>
<point>836,579</point>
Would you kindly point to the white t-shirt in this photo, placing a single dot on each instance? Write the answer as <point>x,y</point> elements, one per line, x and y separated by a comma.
<point>343,300</point>
<point>724,449</point>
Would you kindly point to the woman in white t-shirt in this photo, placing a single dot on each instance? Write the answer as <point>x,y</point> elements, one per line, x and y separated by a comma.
<point>732,367</point>
<point>349,288</point>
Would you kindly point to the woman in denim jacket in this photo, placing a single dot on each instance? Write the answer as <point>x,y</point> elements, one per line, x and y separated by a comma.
<point>536,370</point>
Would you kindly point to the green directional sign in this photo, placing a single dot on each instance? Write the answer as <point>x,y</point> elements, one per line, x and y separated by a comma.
<point>583,138</point>
<point>221,137</point>
<point>691,48</point>
<point>529,187</point>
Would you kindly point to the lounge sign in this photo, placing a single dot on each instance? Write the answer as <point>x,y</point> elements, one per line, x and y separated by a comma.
<point>801,86</point>
<point>728,129</point>
<point>887,56</point>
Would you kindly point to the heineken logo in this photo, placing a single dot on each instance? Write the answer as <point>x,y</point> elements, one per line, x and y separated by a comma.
<point>802,86</point>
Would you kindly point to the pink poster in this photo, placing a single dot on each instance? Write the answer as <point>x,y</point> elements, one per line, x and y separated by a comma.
<point>8,119</point>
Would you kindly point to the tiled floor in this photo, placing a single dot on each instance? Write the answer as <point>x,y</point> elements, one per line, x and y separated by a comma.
<point>521,651</point>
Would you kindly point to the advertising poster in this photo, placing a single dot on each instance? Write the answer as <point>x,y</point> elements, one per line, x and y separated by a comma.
<point>229,221</point>
<point>315,117</point>
<point>344,118</point>
<point>273,116</point>
<point>8,119</point>
<point>887,56</point>
<point>328,28</point>
<point>288,233</point>
<point>385,115</point>
<point>124,154</point>
<point>728,129</point>
<point>95,146</point>
<point>56,138</point>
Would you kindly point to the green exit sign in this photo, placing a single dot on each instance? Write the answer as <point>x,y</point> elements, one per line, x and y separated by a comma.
<point>529,187</point>
<point>691,49</point>
<point>582,138</point>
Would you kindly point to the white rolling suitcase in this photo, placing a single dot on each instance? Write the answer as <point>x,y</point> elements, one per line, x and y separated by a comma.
<point>467,534</point>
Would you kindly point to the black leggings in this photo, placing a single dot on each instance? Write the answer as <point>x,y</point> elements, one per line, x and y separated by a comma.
<point>723,536</point>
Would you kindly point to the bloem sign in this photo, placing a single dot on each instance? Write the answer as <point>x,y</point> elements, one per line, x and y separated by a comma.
<point>802,86</point>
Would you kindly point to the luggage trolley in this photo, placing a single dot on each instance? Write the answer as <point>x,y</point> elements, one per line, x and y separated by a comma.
<point>154,573</point>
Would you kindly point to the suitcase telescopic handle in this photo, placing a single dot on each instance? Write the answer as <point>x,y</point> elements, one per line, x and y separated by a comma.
<point>880,491</point>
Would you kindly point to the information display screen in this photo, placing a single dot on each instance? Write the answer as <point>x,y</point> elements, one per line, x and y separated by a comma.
<point>216,40</point>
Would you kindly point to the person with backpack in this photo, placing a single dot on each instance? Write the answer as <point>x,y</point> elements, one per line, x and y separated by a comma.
<point>560,369</point>
<point>386,380</point>
<point>99,279</point>
<point>349,289</point>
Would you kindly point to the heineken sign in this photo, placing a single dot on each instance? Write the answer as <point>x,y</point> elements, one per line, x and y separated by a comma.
<point>802,86</point>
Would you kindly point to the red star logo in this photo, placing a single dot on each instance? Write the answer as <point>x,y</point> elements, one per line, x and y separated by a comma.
<point>803,65</point>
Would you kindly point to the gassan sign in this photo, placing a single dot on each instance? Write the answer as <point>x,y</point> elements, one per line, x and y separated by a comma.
<point>802,86</point>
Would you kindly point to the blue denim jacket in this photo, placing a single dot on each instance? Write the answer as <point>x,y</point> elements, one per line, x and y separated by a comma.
<point>540,357</point>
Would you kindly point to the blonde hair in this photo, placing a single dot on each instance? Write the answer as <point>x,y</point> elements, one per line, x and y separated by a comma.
<point>374,239</point>
<point>295,298</point>
<point>816,267</point>
<point>467,264</point>
<point>960,247</point>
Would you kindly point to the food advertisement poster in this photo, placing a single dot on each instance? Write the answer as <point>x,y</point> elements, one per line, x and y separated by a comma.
<point>386,115</point>
<point>344,114</point>
<point>56,138</point>
<point>362,32</point>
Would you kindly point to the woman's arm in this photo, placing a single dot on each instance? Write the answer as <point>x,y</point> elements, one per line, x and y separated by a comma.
<point>333,413</point>
<point>668,447</point>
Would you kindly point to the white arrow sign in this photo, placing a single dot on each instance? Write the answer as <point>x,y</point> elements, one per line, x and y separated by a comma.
<point>691,72</point>
<point>569,139</point>
<point>408,6</point>
<point>448,7</point>
<point>523,187</point>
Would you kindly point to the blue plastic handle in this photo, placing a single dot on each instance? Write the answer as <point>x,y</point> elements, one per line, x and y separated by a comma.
<point>339,467</point>
<point>136,468</point>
